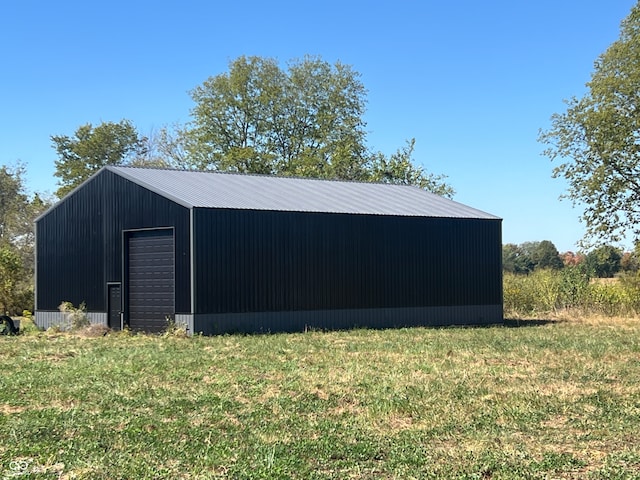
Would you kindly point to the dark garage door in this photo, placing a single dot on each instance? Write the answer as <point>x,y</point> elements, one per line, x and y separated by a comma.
<point>151,280</point>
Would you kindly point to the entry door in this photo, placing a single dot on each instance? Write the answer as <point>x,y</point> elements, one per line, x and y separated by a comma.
<point>114,305</point>
<point>151,280</point>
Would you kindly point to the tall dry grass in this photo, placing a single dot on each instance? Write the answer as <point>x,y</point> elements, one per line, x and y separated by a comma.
<point>570,292</point>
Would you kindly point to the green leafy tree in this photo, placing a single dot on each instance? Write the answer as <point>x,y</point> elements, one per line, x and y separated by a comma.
<point>11,273</point>
<point>91,148</point>
<point>304,121</point>
<point>604,261</point>
<point>13,204</point>
<point>597,140</point>
<point>18,209</point>
<point>544,254</point>
<point>258,118</point>
<point>516,259</point>
<point>529,256</point>
<point>400,168</point>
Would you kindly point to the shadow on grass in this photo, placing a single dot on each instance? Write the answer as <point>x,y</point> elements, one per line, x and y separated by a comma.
<point>529,322</point>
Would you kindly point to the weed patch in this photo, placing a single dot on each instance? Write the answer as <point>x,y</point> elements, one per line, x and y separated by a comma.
<point>570,292</point>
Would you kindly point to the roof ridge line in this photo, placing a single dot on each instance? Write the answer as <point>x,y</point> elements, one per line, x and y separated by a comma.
<point>270,175</point>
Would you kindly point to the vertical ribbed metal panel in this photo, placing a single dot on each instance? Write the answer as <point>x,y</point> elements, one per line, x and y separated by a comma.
<point>45,319</point>
<point>80,241</point>
<point>261,261</point>
<point>70,255</point>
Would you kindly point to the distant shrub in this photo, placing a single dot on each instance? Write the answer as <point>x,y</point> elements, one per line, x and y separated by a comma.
<point>574,287</point>
<point>519,296</point>
<point>75,318</point>
<point>608,299</point>
<point>631,283</point>
<point>27,325</point>
<point>174,329</point>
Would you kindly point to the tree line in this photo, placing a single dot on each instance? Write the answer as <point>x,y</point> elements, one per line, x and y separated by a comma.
<point>304,120</point>
<point>539,281</point>
<point>605,261</point>
<point>18,209</point>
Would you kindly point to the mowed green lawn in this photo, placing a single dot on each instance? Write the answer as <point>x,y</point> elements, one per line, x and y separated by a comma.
<point>538,400</point>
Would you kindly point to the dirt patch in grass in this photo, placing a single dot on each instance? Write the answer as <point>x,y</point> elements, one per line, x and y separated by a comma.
<point>11,409</point>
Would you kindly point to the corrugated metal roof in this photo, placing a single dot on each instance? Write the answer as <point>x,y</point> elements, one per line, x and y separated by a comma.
<point>257,192</point>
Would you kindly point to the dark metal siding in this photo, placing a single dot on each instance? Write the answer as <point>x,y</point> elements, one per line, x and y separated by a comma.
<point>80,240</point>
<point>250,261</point>
<point>298,321</point>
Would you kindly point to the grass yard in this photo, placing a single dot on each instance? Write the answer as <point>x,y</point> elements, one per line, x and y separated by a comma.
<point>542,400</point>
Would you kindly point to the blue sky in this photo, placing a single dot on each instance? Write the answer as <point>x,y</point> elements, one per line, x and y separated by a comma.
<point>472,82</point>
